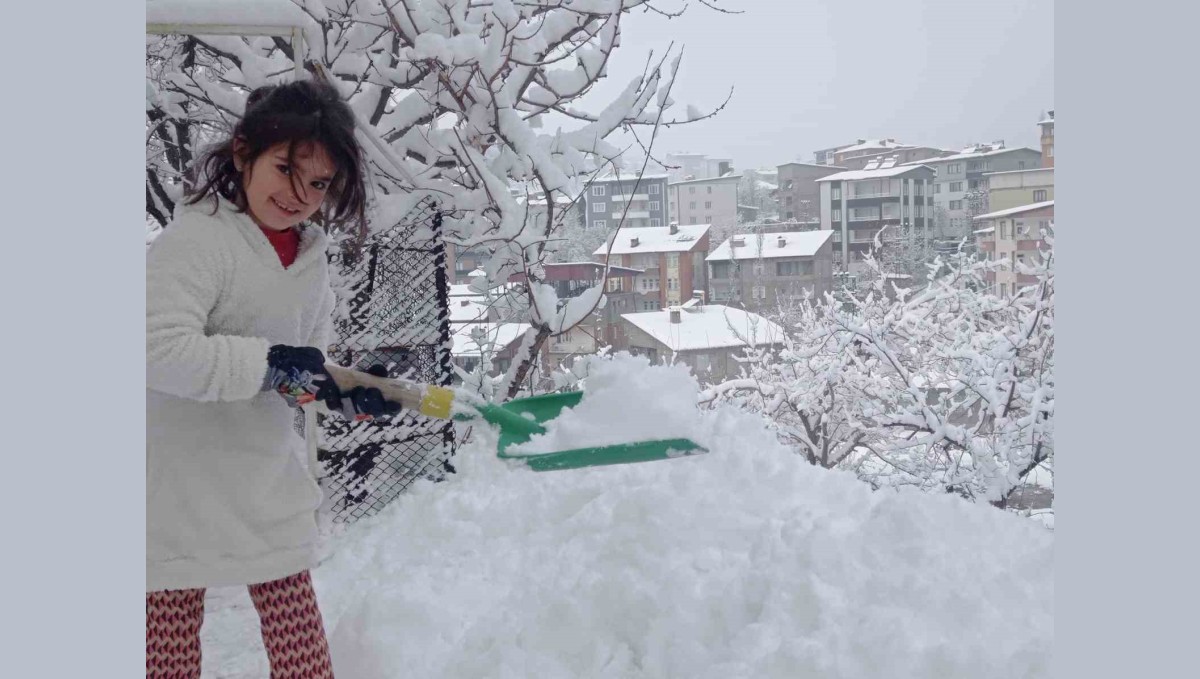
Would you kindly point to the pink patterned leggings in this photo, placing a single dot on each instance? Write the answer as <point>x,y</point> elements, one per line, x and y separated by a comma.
<point>288,615</point>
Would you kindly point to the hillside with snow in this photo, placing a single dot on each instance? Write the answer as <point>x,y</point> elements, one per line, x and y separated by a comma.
<point>742,562</point>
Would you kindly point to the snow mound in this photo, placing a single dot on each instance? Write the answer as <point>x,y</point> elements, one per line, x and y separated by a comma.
<point>625,400</point>
<point>745,562</point>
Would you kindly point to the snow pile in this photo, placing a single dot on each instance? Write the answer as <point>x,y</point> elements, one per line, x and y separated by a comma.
<point>745,562</point>
<point>624,400</point>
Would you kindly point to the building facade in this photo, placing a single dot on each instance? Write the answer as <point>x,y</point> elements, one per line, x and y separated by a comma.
<point>798,194</point>
<point>671,259</point>
<point>856,204</point>
<point>704,201</point>
<point>1019,187</point>
<point>960,189</point>
<point>626,202</point>
<point>1013,237</point>
<point>760,271</point>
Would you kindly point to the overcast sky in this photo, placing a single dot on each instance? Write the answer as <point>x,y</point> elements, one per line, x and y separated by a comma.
<point>812,74</point>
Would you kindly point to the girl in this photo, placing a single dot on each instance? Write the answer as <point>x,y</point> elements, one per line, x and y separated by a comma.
<point>238,305</point>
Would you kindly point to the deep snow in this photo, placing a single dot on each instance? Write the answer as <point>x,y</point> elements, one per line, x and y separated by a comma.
<point>745,562</point>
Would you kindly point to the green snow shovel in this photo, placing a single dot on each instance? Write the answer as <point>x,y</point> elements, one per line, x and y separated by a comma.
<point>518,420</point>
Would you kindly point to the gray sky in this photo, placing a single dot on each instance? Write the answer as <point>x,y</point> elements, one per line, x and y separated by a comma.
<point>811,74</point>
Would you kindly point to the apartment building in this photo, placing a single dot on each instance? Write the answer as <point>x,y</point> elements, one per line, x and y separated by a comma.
<point>961,187</point>
<point>704,201</point>
<point>1047,125</point>
<point>757,271</point>
<point>1014,237</point>
<point>1019,187</point>
<point>626,202</point>
<point>856,204</point>
<point>798,195</point>
<point>671,259</point>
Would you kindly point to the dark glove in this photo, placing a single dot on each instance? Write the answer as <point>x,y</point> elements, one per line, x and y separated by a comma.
<point>362,403</point>
<point>298,374</point>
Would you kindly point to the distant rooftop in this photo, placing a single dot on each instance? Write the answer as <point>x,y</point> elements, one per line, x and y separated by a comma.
<point>1016,210</point>
<point>654,239</point>
<point>970,156</point>
<point>723,178</point>
<point>767,245</point>
<point>872,144</point>
<point>710,326</point>
<point>875,174</point>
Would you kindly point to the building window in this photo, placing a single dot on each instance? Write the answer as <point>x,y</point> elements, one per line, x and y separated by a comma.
<point>597,190</point>
<point>955,187</point>
<point>793,268</point>
<point>720,270</point>
<point>691,189</point>
<point>837,215</point>
<point>956,205</point>
<point>709,189</point>
<point>788,215</point>
<point>692,204</point>
<point>655,206</point>
<point>672,259</point>
<point>708,205</point>
<point>654,189</point>
<point>708,219</point>
<point>758,292</point>
<point>1004,289</point>
<point>597,207</point>
<point>1039,196</point>
<point>599,224</point>
<point>836,193</point>
<point>655,221</point>
<point>1050,151</point>
<point>1020,165</point>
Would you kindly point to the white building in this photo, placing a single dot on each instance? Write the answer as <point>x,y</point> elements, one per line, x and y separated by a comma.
<point>704,201</point>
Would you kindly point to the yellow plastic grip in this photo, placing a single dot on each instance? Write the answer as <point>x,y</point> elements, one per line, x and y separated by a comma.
<point>436,402</point>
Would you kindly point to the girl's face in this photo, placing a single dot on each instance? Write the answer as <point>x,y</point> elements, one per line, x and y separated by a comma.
<point>273,202</point>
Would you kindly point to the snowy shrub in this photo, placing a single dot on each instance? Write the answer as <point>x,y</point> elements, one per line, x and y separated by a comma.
<point>949,387</point>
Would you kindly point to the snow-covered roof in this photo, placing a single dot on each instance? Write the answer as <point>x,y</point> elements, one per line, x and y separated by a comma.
<point>248,13</point>
<point>795,244</point>
<point>628,177</point>
<point>872,144</point>
<point>1028,169</point>
<point>463,342</point>
<point>468,309</point>
<point>711,326</point>
<point>1016,210</point>
<point>990,229</point>
<point>654,239</point>
<point>852,175</point>
<point>969,156</point>
<point>823,167</point>
<point>722,178</point>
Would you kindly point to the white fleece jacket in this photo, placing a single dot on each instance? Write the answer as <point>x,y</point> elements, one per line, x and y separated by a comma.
<point>229,497</point>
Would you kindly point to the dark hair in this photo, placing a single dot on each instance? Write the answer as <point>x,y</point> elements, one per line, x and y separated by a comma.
<point>297,114</point>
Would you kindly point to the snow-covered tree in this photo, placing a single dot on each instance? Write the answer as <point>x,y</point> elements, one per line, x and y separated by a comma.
<point>457,100</point>
<point>949,388</point>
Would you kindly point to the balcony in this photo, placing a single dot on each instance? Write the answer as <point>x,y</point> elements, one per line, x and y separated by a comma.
<point>631,215</point>
<point>862,218</point>
<point>881,194</point>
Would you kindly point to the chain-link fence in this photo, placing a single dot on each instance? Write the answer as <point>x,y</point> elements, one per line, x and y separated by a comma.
<point>397,316</point>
